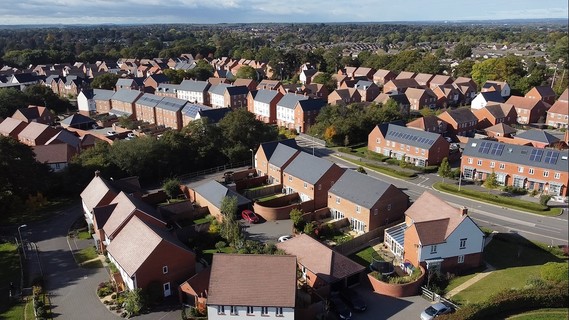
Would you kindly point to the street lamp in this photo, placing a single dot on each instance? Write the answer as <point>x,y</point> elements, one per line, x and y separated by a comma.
<point>252,158</point>
<point>21,241</point>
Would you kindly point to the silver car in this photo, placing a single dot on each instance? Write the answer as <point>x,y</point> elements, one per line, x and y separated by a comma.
<point>436,310</point>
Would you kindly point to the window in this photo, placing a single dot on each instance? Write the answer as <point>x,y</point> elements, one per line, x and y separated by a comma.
<point>319,187</point>
<point>358,209</point>
<point>165,269</point>
<point>289,178</point>
<point>264,311</point>
<point>305,185</point>
<point>492,164</point>
<point>279,312</point>
<point>557,175</point>
<point>469,160</point>
<point>250,310</point>
<point>389,207</point>
<point>378,140</point>
<point>338,200</point>
<point>546,174</point>
<point>234,311</point>
<point>502,166</point>
<point>479,162</point>
<point>463,243</point>
<point>220,309</point>
<point>521,169</point>
<point>434,248</point>
<point>530,170</point>
<point>375,212</point>
<point>460,259</point>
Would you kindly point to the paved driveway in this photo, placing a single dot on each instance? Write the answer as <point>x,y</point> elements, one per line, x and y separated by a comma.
<point>384,307</point>
<point>267,230</point>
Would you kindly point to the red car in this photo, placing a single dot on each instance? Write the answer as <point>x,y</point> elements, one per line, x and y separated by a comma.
<point>250,216</point>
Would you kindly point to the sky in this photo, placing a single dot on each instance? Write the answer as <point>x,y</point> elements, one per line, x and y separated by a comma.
<point>251,11</point>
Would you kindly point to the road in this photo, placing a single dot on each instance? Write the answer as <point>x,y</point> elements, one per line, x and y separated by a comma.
<point>549,230</point>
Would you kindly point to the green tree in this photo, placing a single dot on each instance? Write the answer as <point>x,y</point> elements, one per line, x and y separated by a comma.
<point>247,72</point>
<point>445,170</point>
<point>296,217</point>
<point>10,101</point>
<point>325,79</point>
<point>491,181</point>
<point>43,96</point>
<point>105,81</point>
<point>462,51</point>
<point>230,229</point>
<point>134,302</point>
<point>172,187</point>
<point>361,170</point>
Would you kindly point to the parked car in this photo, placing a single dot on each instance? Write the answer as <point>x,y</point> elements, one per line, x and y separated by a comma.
<point>111,133</point>
<point>436,310</point>
<point>285,238</point>
<point>341,309</point>
<point>353,299</point>
<point>249,216</point>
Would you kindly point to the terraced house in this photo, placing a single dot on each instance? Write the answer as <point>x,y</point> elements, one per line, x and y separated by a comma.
<point>530,168</point>
<point>285,109</point>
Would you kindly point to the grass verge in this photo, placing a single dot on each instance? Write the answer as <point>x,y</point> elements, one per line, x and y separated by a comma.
<point>86,254</point>
<point>498,200</point>
<point>31,215</point>
<point>93,264</point>
<point>382,169</point>
<point>543,314</point>
<point>9,272</point>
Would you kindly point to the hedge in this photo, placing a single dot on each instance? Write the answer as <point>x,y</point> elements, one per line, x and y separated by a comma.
<point>514,301</point>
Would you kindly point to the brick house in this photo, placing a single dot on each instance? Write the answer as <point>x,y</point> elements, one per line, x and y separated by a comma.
<point>281,158</point>
<point>169,112</point>
<point>311,177</point>
<point>538,138</point>
<point>285,109</point>
<point>34,114</point>
<point>35,134</point>
<point>344,96</point>
<point>447,95</point>
<point>424,79</point>
<point>543,93</point>
<point>461,121</point>
<point>167,90</point>
<point>194,91</point>
<point>152,82</point>
<point>467,89</point>
<point>321,267</point>
<point>265,105</point>
<point>381,76</point>
<point>305,113</point>
<point>405,75</point>
<point>123,103</point>
<point>520,166</point>
<point>410,145</point>
<point>437,236</point>
<point>368,203</point>
<point>400,85</point>
<point>429,124</point>
<point>528,110</point>
<point>421,98</point>
<point>249,83</point>
<point>399,98</point>
<point>266,84</point>
<point>136,83</point>
<point>440,80</point>
<point>11,127</point>
<point>502,87</point>
<point>235,291</point>
<point>146,107</point>
<point>211,193</point>
<point>102,99</point>
<point>190,112</point>
<point>500,130</point>
<point>485,98</point>
<point>558,114</point>
<point>99,192</point>
<point>265,152</point>
<point>493,114</point>
<point>226,96</point>
<point>146,254</point>
<point>315,90</point>
<point>367,89</point>
<point>56,155</point>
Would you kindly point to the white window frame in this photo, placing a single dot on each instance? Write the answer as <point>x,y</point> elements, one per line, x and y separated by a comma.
<point>250,310</point>
<point>264,311</point>
<point>557,175</point>
<point>305,185</point>
<point>521,169</point>
<point>433,248</point>
<point>546,174</point>
<point>233,310</point>
<point>492,164</point>
<point>461,259</point>
<point>530,171</point>
<point>221,310</point>
<point>479,162</point>
<point>338,200</point>
<point>279,312</point>
<point>358,209</point>
<point>469,160</point>
<point>502,166</point>
<point>164,269</point>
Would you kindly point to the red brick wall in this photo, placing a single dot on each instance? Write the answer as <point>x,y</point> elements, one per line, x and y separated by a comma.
<point>397,290</point>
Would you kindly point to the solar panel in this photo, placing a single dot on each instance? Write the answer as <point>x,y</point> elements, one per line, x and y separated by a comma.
<point>497,149</point>
<point>431,141</point>
<point>536,155</point>
<point>551,157</point>
<point>484,147</point>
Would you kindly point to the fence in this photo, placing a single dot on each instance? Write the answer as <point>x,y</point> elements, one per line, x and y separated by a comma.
<point>224,167</point>
<point>370,238</point>
<point>434,297</point>
<point>313,139</point>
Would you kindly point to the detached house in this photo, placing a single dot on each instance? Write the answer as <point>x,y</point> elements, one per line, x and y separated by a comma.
<point>280,159</point>
<point>543,93</point>
<point>429,124</point>
<point>528,110</point>
<point>502,87</point>
<point>285,109</point>
<point>35,134</point>
<point>311,177</point>
<point>440,80</point>
<point>461,121</point>
<point>409,145</point>
<point>558,114</point>
<point>244,286</point>
<point>494,114</point>
<point>381,77</point>
<point>11,127</point>
<point>400,85</point>
<point>367,89</point>
<point>210,194</point>
<point>265,105</point>
<point>467,89</point>
<point>99,192</point>
<point>144,253</point>
<point>484,98</point>
<point>366,202</point>
<point>500,130</point>
<point>405,75</point>
<point>399,98</point>
<point>538,138</point>
<point>437,236</point>
<point>344,96</point>
<point>34,114</point>
<point>520,166</point>
<point>424,79</point>
<point>447,95</point>
<point>421,98</point>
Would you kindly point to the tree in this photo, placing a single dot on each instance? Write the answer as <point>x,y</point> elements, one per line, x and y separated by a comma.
<point>43,96</point>
<point>230,229</point>
<point>361,170</point>
<point>134,302</point>
<point>462,51</point>
<point>10,101</point>
<point>105,81</point>
<point>325,79</point>
<point>246,72</point>
<point>445,170</point>
<point>296,217</point>
<point>172,187</point>
<point>491,181</point>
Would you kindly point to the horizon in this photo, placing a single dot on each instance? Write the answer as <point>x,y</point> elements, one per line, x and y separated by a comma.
<point>143,12</point>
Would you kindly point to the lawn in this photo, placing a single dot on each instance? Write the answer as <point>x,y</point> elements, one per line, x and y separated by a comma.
<point>267,198</point>
<point>363,257</point>
<point>93,264</point>
<point>516,260</point>
<point>205,219</point>
<point>83,235</point>
<point>208,253</point>
<point>9,271</point>
<point>543,314</point>
<point>86,254</point>
<point>21,310</point>
<point>45,212</point>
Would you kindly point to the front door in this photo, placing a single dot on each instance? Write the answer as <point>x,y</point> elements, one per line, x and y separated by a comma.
<point>167,292</point>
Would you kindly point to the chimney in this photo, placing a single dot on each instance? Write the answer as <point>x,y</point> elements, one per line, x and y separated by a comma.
<point>97,173</point>
<point>463,211</point>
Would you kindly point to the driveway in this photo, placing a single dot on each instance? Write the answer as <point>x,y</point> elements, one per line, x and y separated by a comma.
<point>384,307</point>
<point>267,230</point>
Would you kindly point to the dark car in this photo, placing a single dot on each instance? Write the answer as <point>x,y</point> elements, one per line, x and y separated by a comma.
<point>249,216</point>
<point>337,305</point>
<point>353,299</point>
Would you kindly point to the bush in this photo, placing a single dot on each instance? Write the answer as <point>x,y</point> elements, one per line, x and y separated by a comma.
<point>515,190</point>
<point>113,296</point>
<point>392,161</point>
<point>104,289</point>
<point>41,312</point>
<point>555,272</point>
<point>544,199</point>
<point>345,149</point>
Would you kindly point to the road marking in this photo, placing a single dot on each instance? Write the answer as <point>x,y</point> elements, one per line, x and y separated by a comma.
<point>497,216</point>
<point>521,231</point>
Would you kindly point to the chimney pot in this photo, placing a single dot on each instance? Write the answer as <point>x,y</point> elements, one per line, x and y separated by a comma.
<point>97,173</point>
<point>463,211</point>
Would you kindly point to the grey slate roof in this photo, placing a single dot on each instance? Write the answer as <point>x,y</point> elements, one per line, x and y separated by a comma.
<point>462,115</point>
<point>214,115</point>
<point>308,167</point>
<point>76,119</point>
<point>359,188</point>
<point>214,192</point>
<point>269,147</point>
<point>363,83</point>
<point>538,135</point>
<point>122,82</point>
<point>102,94</point>
<point>311,104</point>
<point>235,90</point>
<point>171,104</point>
<point>412,137</point>
<point>149,100</point>
<point>266,96</point>
<point>194,86</point>
<point>167,87</point>
<point>125,95</point>
<point>281,155</point>
<point>191,109</point>
<point>219,89</point>
<point>289,100</point>
<point>517,154</point>
<point>492,96</point>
